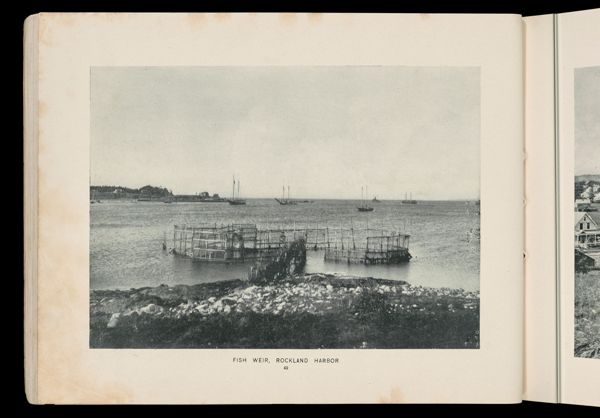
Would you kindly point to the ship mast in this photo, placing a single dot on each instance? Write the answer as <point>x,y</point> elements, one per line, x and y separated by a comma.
<point>362,196</point>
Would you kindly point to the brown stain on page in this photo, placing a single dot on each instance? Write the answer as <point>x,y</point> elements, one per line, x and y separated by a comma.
<point>288,18</point>
<point>315,18</point>
<point>44,33</point>
<point>64,19</point>
<point>195,20</point>
<point>82,387</point>
<point>395,396</point>
<point>42,109</point>
<point>222,17</point>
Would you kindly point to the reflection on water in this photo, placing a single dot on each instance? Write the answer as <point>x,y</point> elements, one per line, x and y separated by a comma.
<point>126,240</point>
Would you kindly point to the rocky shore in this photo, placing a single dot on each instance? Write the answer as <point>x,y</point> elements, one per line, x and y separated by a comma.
<point>300,311</point>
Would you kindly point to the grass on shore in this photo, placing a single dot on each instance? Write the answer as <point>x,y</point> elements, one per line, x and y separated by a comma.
<point>587,314</point>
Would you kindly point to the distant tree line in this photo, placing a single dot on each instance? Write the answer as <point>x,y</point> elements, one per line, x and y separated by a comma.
<point>146,191</point>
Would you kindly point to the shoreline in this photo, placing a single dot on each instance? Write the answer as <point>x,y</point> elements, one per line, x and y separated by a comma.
<point>300,311</point>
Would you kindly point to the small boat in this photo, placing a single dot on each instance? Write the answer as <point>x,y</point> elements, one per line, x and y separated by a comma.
<point>408,201</point>
<point>236,201</point>
<point>363,204</point>
<point>283,200</point>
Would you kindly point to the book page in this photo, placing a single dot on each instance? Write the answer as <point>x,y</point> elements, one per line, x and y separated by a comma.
<point>541,362</point>
<point>578,77</point>
<point>265,208</point>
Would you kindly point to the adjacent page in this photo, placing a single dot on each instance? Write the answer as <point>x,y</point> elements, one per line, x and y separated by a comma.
<point>133,308</point>
<point>577,37</point>
<point>541,348</point>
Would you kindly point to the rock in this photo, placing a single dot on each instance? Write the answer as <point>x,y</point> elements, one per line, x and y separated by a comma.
<point>151,309</point>
<point>228,301</point>
<point>114,320</point>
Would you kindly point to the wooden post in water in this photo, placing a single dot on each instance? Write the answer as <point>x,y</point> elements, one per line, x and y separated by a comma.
<point>193,242</point>
<point>352,231</point>
<point>185,241</point>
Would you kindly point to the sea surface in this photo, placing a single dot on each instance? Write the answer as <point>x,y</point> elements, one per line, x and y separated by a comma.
<point>126,240</point>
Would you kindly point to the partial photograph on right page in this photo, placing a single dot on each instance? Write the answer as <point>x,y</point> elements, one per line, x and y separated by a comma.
<point>587,212</point>
<point>577,130</point>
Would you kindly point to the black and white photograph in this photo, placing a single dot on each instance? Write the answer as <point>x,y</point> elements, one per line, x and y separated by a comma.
<point>301,207</point>
<point>587,214</point>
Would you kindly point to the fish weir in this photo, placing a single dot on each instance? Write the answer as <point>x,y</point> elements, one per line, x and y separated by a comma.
<point>231,243</point>
<point>246,242</point>
<point>388,249</point>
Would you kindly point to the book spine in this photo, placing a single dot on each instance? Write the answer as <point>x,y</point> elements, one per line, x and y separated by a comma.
<point>30,201</point>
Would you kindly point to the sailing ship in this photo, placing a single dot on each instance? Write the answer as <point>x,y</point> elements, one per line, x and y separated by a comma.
<point>283,200</point>
<point>407,200</point>
<point>375,200</point>
<point>363,203</point>
<point>236,200</point>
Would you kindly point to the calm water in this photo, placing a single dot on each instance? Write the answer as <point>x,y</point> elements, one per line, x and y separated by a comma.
<point>126,240</point>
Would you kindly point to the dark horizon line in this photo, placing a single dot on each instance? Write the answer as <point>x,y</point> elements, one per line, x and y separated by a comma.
<point>301,198</point>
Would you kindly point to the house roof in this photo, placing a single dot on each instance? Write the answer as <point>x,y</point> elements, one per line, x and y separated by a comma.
<point>594,216</point>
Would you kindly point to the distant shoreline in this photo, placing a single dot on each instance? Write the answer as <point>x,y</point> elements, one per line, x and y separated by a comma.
<point>302,200</point>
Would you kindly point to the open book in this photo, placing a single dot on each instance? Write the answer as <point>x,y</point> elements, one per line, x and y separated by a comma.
<point>265,208</point>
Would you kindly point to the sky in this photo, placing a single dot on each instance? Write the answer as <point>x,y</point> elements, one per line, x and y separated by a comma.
<point>587,120</point>
<point>324,131</point>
